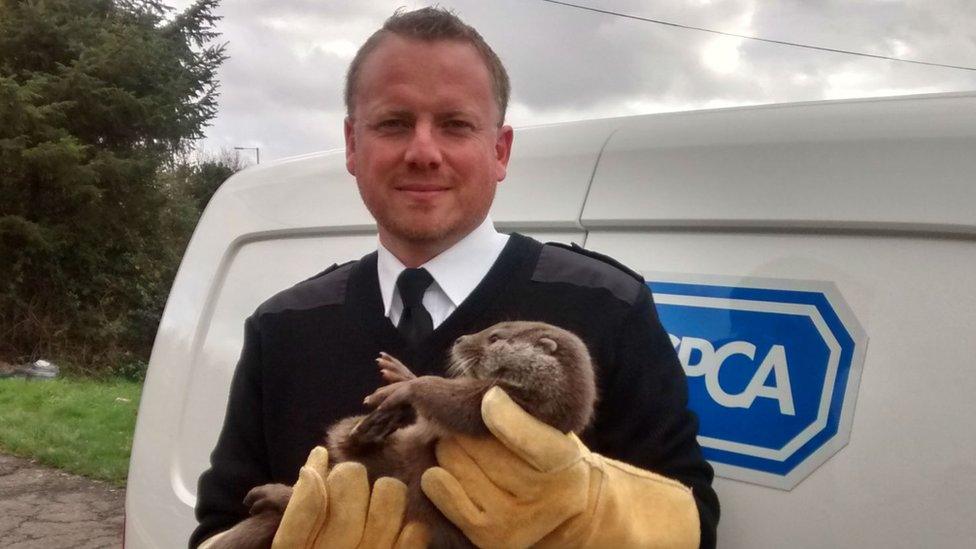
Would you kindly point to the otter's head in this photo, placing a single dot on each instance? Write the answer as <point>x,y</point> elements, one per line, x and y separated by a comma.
<point>536,363</point>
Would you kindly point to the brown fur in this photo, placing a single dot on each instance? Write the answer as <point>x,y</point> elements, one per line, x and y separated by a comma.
<point>545,369</point>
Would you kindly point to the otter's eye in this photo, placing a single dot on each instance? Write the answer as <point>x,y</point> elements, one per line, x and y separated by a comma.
<point>493,338</point>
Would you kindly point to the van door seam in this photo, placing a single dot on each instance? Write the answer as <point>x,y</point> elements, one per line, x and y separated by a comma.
<point>589,185</point>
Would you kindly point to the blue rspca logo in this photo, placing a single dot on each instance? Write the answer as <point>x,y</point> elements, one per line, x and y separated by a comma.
<point>773,369</point>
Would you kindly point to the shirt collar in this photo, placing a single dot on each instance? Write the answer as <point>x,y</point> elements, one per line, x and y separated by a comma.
<point>457,270</point>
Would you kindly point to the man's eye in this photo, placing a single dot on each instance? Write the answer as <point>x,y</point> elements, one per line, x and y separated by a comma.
<point>458,125</point>
<point>392,124</point>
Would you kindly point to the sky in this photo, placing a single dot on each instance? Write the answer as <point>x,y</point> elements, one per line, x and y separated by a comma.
<point>281,88</point>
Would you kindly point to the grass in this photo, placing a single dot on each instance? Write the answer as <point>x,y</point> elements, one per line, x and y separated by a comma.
<point>80,426</point>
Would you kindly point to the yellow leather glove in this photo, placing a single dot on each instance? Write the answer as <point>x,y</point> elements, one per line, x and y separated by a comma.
<point>534,486</point>
<point>335,509</point>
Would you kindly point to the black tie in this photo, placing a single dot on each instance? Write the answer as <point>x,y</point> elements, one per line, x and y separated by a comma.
<point>415,322</point>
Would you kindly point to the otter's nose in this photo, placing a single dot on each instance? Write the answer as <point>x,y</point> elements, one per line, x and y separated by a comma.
<point>459,340</point>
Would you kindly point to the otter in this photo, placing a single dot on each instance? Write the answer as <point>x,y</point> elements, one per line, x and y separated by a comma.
<point>545,369</point>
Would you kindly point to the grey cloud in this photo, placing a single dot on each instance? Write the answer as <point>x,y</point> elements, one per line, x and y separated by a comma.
<point>338,10</point>
<point>561,57</point>
<point>934,31</point>
<point>282,85</point>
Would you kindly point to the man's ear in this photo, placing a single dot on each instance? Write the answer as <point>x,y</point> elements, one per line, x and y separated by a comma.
<point>350,133</point>
<point>503,150</point>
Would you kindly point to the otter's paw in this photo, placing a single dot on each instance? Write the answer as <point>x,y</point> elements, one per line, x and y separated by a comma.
<point>375,427</point>
<point>393,370</point>
<point>379,397</point>
<point>268,497</point>
<point>393,412</point>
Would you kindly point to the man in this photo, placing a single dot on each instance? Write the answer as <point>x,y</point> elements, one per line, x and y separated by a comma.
<point>426,141</point>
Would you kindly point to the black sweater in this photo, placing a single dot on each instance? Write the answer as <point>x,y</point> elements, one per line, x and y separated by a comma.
<point>309,360</point>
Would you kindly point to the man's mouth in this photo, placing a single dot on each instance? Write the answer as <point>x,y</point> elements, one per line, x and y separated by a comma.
<point>422,191</point>
<point>421,188</point>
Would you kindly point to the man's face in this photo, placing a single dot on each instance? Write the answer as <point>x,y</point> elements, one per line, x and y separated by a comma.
<point>423,141</point>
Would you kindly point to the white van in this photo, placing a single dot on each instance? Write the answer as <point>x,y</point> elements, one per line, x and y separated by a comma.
<point>778,240</point>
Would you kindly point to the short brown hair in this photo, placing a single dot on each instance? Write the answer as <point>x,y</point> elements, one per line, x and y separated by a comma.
<point>430,24</point>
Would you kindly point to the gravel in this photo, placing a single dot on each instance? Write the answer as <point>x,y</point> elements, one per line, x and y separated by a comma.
<point>43,507</point>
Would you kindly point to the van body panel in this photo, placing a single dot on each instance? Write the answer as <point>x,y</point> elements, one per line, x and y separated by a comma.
<point>872,196</point>
<point>906,477</point>
<point>896,164</point>
<point>549,175</point>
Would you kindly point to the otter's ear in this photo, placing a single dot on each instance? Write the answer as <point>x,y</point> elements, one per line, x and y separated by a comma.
<point>548,344</point>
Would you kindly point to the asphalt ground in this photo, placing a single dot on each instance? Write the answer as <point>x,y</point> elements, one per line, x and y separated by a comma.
<point>43,507</point>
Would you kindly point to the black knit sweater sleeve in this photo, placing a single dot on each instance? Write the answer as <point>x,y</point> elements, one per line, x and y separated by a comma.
<point>645,419</point>
<point>239,461</point>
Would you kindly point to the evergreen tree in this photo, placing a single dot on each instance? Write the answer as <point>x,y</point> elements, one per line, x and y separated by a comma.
<point>95,96</point>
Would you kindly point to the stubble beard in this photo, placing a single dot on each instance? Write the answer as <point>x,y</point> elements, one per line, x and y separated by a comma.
<point>433,236</point>
<point>411,232</point>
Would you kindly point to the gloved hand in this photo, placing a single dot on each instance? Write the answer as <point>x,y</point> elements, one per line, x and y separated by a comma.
<point>335,510</point>
<point>531,485</point>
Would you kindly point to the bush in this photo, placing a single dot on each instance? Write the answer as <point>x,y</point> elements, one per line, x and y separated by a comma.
<point>96,98</point>
<point>132,370</point>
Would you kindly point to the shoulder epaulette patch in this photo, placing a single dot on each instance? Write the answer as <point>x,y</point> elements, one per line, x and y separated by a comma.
<point>333,267</point>
<point>579,267</point>
<point>317,291</point>
<point>574,247</point>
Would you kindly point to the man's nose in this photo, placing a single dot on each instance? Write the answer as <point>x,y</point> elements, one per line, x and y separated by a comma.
<point>423,151</point>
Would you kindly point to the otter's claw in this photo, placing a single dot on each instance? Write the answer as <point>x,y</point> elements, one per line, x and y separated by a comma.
<point>393,370</point>
<point>393,410</point>
<point>379,396</point>
<point>378,425</point>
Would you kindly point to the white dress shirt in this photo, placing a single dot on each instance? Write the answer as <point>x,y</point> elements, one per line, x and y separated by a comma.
<point>456,271</point>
